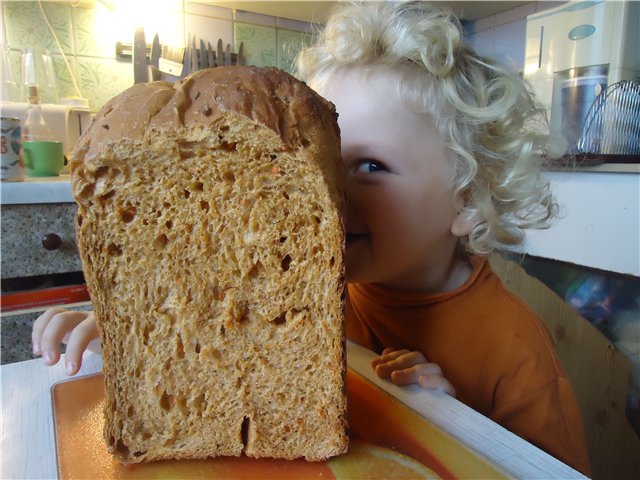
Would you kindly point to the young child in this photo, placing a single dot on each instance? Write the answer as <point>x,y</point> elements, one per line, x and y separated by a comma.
<point>442,161</point>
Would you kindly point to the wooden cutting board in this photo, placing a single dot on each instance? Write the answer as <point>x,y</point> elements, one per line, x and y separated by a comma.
<point>387,440</point>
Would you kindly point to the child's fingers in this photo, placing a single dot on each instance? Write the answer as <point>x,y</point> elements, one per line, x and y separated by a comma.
<point>411,375</point>
<point>437,382</point>
<point>398,361</point>
<point>56,328</point>
<point>387,355</point>
<point>79,339</point>
<point>39,327</point>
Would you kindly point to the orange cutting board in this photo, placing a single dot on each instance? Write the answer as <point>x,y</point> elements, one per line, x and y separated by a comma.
<point>387,440</point>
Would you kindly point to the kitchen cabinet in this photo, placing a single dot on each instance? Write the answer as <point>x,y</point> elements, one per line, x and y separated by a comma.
<point>38,244</point>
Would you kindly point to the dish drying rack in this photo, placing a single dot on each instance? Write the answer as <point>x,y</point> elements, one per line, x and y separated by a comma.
<point>612,124</point>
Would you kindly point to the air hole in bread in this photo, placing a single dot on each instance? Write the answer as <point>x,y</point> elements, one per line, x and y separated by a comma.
<point>88,191</point>
<point>79,220</point>
<point>198,186</point>
<point>280,319</point>
<point>286,263</point>
<point>114,250</point>
<point>148,328</point>
<point>161,241</point>
<point>128,213</point>
<point>216,354</point>
<point>180,348</point>
<point>121,448</point>
<point>255,271</point>
<point>168,224</point>
<point>222,330</point>
<point>182,405</point>
<point>139,454</point>
<point>285,195</point>
<point>107,196</point>
<point>197,348</point>
<point>229,177</point>
<point>229,146</point>
<point>101,172</point>
<point>305,142</point>
<point>283,239</point>
<point>204,206</point>
<point>332,262</point>
<point>187,193</point>
<point>244,431</point>
<point>199,403</point>
<point>130,411</point>
<point>167,401</point>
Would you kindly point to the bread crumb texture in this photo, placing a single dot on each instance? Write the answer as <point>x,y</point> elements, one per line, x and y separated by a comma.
<point>209,226</point>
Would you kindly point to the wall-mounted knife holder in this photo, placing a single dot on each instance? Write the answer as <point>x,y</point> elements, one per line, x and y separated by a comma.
<point>124,52</point>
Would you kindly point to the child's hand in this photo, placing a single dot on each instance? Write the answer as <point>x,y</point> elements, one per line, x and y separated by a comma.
<point>57,325</point>
<point>403,367</point>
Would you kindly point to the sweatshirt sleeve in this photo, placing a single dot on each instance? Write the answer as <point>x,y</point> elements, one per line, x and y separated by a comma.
<point>548,417</point>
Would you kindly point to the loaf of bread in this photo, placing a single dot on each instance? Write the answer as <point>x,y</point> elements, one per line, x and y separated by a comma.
<point>210,231</point>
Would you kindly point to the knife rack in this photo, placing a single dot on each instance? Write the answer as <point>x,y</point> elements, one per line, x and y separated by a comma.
<point>124,52</point>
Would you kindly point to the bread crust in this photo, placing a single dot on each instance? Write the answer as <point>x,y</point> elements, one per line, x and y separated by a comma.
<point>210,229</point>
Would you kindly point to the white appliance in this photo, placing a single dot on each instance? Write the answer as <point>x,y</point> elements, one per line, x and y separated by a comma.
<point>574,51</point>
<point>66,122</point>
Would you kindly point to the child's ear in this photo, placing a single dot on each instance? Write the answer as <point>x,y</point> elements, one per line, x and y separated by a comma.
<point>461,225</point>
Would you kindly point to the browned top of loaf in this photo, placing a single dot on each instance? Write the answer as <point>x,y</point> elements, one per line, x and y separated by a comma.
<point>267,95</point>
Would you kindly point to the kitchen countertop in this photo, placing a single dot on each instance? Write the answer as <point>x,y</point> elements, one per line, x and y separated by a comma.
<point>28,441</point>
<point>37,190</point>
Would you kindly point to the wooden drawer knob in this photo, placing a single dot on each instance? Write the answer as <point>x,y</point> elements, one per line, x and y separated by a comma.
<point>51,241</point>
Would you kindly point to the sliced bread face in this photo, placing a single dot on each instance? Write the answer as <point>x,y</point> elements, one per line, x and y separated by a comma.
<point>209,225</point>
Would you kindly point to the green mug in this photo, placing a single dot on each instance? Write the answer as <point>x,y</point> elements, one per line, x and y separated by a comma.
<point>43,158</point>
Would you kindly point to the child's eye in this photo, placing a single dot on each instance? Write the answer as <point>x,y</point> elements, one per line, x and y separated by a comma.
<point>371,166</point>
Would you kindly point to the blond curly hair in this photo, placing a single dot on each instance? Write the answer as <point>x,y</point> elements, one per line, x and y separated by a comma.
<point>487,115</point>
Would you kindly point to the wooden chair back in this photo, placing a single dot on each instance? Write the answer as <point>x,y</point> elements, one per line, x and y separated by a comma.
<point>599,373</point>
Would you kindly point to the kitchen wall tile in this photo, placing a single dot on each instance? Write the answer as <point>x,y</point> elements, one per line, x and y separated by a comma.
<point>15,88</point>
<point>289,44</point>
<point>64,83</point>
<point>254,18</point>
<point>295,25</point>
<point>91,58</point>
<point>209,29</point>
<point>213,11</point>
<point>259,44</point>
<point>26,26</point>
<point>84,19</point>
<point>101,79</point>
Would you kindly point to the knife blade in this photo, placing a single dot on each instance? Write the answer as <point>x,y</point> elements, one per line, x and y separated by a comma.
<point>227,55</point>
<point>140,70</point>
<point>194,55</point>
<point>220,53</point>
<point>154,61</point>
<point>241,54</point>
<point>211,57</point>
<point>186,62</point>
<point>204,58</point>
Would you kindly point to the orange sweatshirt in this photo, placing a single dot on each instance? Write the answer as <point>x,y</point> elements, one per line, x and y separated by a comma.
<point>489,344</point>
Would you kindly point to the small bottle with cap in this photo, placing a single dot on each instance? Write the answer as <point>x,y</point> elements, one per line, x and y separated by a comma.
<point>35,128</point>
